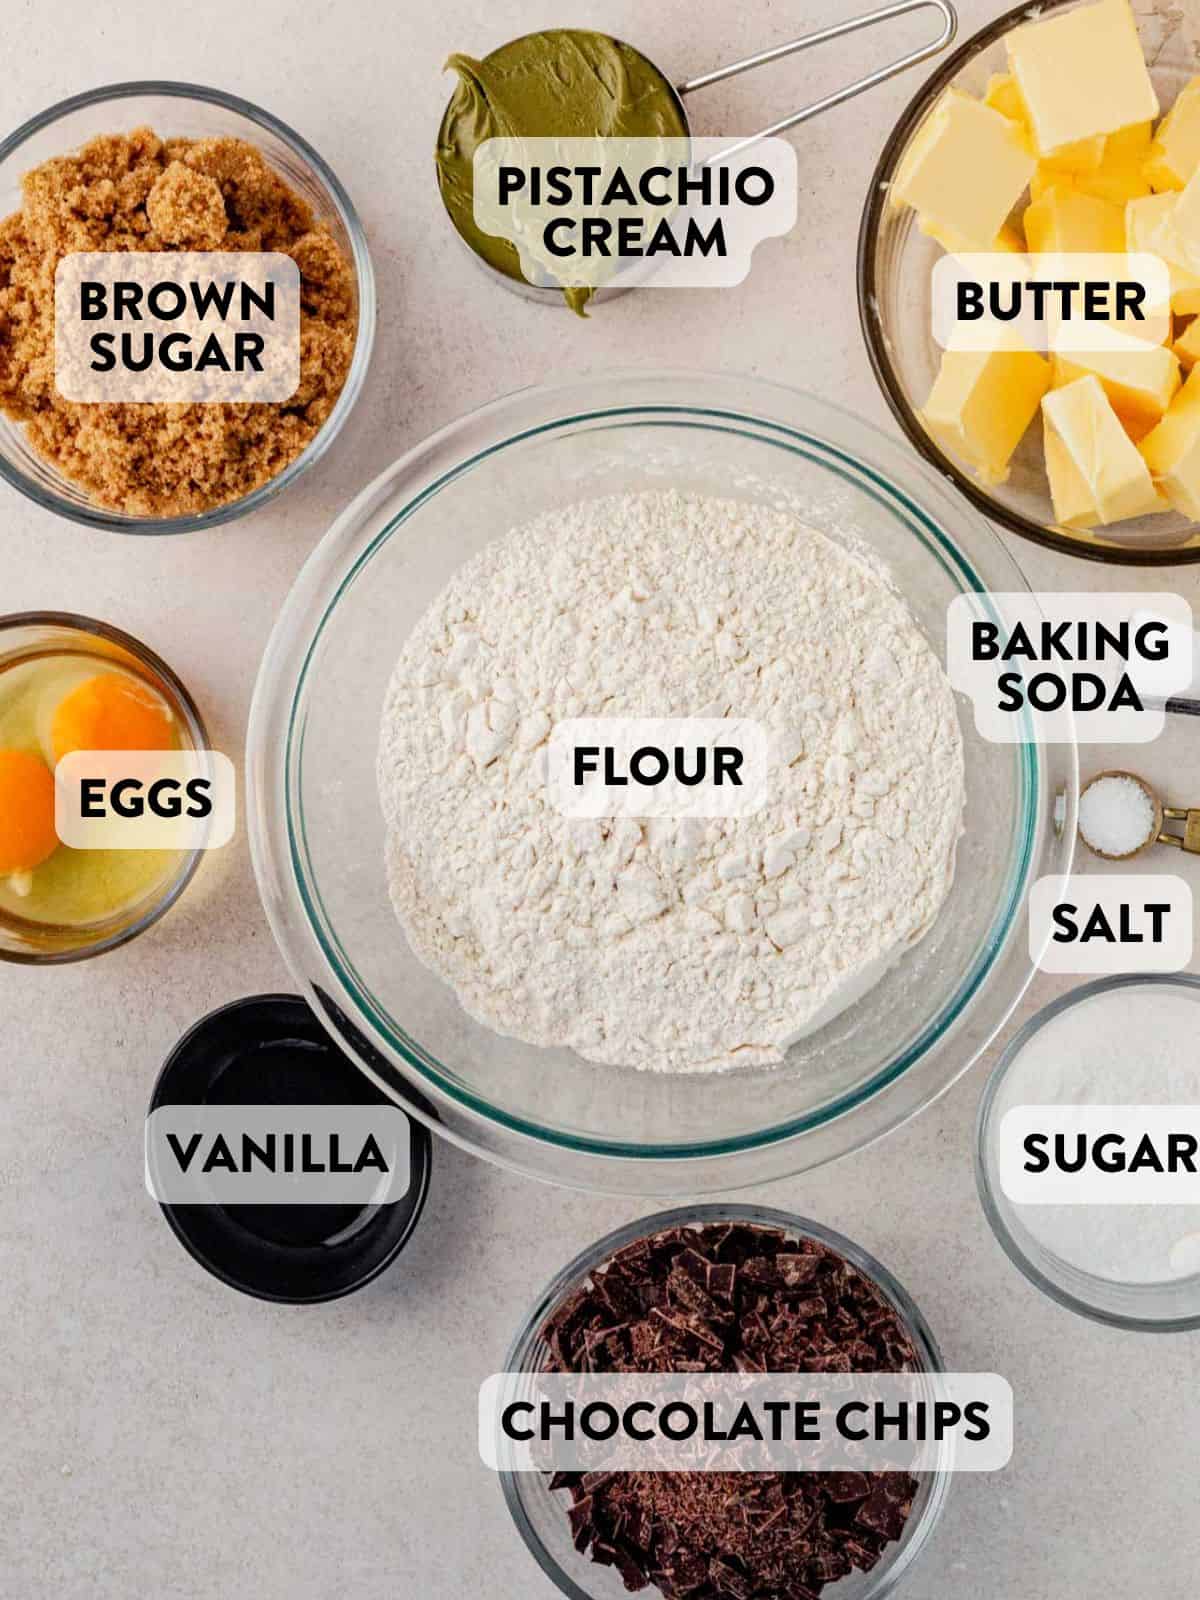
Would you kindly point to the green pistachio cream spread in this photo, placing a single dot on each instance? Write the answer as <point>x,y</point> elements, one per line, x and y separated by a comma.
<point>563,83</point>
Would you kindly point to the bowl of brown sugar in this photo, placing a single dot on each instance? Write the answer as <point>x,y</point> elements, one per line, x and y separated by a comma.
<point>164,168</point>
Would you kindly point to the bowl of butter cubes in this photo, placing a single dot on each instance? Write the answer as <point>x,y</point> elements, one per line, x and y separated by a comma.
<point>1062,131</point>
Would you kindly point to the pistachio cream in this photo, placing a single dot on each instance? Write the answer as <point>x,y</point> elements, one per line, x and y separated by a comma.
<point>562,83</point>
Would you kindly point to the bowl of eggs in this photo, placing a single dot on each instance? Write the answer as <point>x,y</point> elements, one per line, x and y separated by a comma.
<point>1066,128</point>
<point>68,683</point>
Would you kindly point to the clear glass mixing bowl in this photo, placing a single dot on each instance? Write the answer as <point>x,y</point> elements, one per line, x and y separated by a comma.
<point>895,264</point>
<point>541,1517</point>
<point>317,833</point>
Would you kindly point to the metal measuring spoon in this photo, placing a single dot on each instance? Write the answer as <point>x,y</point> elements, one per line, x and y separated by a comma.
<point>1188,840</point>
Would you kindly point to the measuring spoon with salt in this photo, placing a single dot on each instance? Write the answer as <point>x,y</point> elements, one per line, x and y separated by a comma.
<point>1124,814</point>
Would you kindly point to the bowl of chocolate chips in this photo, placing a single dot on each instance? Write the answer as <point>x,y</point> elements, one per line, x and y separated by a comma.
<point>725,1289</point>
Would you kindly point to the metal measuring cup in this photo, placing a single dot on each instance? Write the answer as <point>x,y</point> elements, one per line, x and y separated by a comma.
<point>838,30</point>
<point>1188,840</point>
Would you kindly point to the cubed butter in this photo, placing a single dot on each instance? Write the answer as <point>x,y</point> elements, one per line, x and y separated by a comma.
<point>982,404</point>
<point>1187,346</point>
<point>1174,156</point>
<point>966,169</point>
<point>1008,242</point>
<point>1066,221</point>
<point>1082,74</point>
<point>1069,492</point>
<point>1173,450</point>
<point>1140,382</point>
<point>1150,227</point>
<point>1187,223</point>
<point>1115,477</point>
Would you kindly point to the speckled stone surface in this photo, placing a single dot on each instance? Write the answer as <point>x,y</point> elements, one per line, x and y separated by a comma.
<point>164,1436</point>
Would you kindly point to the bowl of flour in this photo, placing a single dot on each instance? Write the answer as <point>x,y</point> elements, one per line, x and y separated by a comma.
<point>609,1000</point>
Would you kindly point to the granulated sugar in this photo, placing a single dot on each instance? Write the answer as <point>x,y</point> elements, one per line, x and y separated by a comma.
<point>676,945</point>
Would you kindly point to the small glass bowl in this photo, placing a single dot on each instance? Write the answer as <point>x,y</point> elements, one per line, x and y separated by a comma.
<point>895,264</point>
<point>1170,1307</point>
<point>541,1517</point>
<point>24,637</point>
<point>183,110</point>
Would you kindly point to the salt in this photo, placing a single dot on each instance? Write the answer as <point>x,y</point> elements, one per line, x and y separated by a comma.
<point>1116,816</point>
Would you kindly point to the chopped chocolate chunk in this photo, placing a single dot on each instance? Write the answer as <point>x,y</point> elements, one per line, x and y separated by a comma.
<point>731,1297</point>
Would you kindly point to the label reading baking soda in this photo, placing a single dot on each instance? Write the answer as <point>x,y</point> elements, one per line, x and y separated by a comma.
<point>302,1155</point>
<point>664,213</point>
<point>1126,922</point>
<point>1061,668</point>
<point>145,799</point>
<point>658,766</point>
<point>177,327</point>
<point>746,1422</point>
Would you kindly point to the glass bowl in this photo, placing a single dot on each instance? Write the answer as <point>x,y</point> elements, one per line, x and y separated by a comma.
<point>183,110</point>
<point>895,263</point>
<point>1168,1307</point>
<point>317,831</point>
<point>32,634</point>
<point>541,1517</point>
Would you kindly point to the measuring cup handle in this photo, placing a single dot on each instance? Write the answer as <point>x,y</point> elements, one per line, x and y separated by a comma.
<point>837,31</point>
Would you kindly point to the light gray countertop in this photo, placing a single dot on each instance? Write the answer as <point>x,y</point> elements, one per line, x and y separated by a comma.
<point>165,1436</point>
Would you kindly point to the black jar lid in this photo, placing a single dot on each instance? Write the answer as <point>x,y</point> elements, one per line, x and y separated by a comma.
<point>271,1050</point>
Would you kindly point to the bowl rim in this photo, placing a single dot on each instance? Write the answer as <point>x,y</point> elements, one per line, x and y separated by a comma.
<point>364,339</point>
<point>985,1181</point>
<point>883,367</point>
<point>525,1342</point>
<point>275,752</point>
<point>190,862</point>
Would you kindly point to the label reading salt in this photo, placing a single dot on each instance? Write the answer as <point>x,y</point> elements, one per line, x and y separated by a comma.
<point>1066,668</point>
<point>1108,924</point>
<point>177,327</point>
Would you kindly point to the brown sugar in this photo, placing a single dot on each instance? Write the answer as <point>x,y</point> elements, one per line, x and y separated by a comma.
<point>138,192</point>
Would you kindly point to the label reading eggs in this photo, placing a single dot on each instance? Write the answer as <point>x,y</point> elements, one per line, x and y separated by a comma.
<point>658,767</point>
<point>145,799</point>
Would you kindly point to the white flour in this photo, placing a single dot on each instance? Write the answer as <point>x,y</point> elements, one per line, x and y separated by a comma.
<point>674,945</point>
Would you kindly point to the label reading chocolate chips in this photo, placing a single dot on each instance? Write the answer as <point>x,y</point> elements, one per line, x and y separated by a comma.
<point>177,327</point>
<point>745,1422</point>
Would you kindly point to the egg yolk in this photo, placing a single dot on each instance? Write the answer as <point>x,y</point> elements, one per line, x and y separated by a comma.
<point>27,836</point>
<point>110,712</point>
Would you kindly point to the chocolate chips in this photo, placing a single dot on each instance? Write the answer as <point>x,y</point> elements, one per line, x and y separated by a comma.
<point>732,1297</point>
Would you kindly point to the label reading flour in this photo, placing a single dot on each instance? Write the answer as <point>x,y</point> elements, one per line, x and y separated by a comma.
<point>658,767</point>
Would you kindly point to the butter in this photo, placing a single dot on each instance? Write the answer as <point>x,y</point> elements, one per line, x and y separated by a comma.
<point>1174,156</point>
<point>1082,74</point>
<point>965,170</point>
<point>1097,459</point>
<point>1187,223</point>
<point>1119,176</point>
<point>1007,242</point>
<point>1187,346</point>
<point>982,404</point>
<point>1065,221</point>
<point>1140,382</point>
<point>1150,227</point>
<point>1173,451</point>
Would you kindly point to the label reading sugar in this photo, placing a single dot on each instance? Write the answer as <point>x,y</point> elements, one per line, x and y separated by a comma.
<point>1066,668</point>
<point>310,1155</point>
<point>177,327</point>
<point>145,799</point>
<point>658,766</point>
<point>1100,1155</point>
<point>1108,924</point>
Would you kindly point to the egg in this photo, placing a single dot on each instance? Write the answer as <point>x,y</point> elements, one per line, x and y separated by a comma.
<point>110,711</point>
<point>27,836</point>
